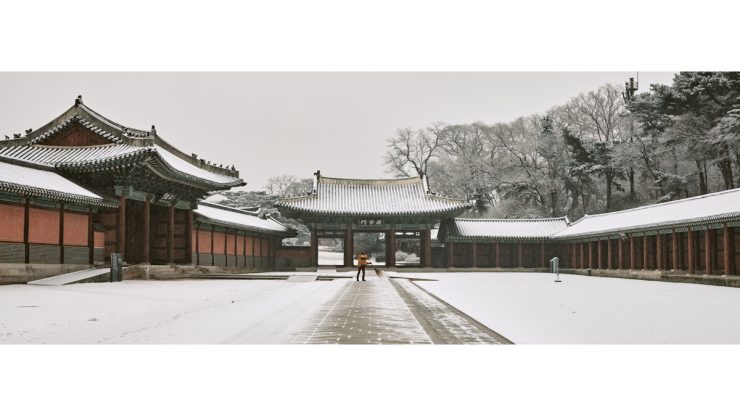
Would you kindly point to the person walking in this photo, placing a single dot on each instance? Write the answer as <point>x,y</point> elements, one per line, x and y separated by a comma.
<point>361,263</point>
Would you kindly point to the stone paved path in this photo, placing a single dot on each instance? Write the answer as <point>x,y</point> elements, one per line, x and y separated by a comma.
<point>381,311</point>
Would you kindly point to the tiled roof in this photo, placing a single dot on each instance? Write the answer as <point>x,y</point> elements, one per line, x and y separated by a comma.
<point>124,143</point>
<point>246,220</point>
<point>43,183</point>
<point>55,155</point>
<point>703,209</point>
<point>372,197</point>
<point>462,229</point>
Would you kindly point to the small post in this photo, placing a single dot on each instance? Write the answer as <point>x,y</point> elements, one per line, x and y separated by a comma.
<point>116,267</point>
<point>555,268</point>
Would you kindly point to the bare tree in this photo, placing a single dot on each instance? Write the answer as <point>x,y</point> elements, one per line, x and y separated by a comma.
<point>410,151</point>
<point>284,185</point>
<point>597,117</point>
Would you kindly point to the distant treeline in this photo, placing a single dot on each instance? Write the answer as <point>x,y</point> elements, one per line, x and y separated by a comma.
<point>601,151</point>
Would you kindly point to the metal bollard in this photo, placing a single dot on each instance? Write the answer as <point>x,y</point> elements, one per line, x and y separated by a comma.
<point>555,268</point>
<point>116,267</point>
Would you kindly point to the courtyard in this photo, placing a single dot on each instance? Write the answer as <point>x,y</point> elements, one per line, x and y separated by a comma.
<point>395,308</point>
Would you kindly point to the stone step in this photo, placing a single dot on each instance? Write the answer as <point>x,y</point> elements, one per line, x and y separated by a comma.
<point>74,277</point>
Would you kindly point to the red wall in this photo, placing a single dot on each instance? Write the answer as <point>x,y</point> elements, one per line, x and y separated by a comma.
<point>219,243</point>
<point>204,241</point>
<point>43,226</point>
<point>257,247</point>
<point>265,247</point>
<point>75,229</point>
<point>250,243</point>
<point>230,243</point>
<point>11,218</point>
<point>240,245</point>
<point>99,237</point>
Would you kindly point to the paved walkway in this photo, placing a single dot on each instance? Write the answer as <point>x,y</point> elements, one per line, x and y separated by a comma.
<point>381,311</point>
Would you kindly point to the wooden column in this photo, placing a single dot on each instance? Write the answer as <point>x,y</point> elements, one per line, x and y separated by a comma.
<point>583,257</point>
<point>543,262</point>
<point>450,246</point>
<point>226,247</point>
<point>213,254</point>
<point>121,232</point>
<point>498,254</point>
<point>474,249</point>
<point>147,230</point>
<point>90,237</point>
<point>600,253</point>
<point>244,248</point>
<point>645,252</point>
<point>426,236</point>
<point>609,262</point>
<point>26,217</point>
<point>573,263</point>
<point>197,245</point>
<point>61,233</point>
<point>391,241</point>
<point>236,248</point>
<point>519,256</point>
<point>171,234</point>
<point>620,253</point>
<point>314,245</point>
<point>728,250</point>
<point>674,249</point>
<point>708,246</point>
<point>590,255</point>
<point>633,257</point>
<point>658,252</point>
<point>314,249</point>
<point>189,236</point>
<point>348,247</point>
<point>692,256</point>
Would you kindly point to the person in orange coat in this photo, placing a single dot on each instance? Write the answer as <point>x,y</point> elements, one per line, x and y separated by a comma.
<point>361,263</point>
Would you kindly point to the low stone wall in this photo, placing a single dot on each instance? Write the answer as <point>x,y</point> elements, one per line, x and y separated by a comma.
<point>13,273</point>
<point>169,272</point>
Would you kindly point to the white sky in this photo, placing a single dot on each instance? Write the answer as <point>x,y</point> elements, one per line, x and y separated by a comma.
<point>269,124</point>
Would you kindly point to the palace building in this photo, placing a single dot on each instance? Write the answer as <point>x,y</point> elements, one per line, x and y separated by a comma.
<point>690,237</point>
<point>399,208</point>
<point>82,187</point>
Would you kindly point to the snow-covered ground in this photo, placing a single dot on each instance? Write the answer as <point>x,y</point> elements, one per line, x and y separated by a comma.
<point>524,307</point>
<point>330,258</point>
<point>183,311</point>
<point>531,308</point>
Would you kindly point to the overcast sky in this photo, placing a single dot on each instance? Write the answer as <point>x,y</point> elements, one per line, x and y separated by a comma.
<point>269,124</point>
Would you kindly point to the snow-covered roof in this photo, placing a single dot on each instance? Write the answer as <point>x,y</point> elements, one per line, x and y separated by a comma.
<point>232,217</point>
<point>43,183</point>
<point>469,229</point>
<point>372,197</point>
<point>704,209</point>
<point>114,143</point>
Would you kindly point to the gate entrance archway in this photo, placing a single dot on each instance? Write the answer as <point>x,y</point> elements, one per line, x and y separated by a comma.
<point>401,212</point>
